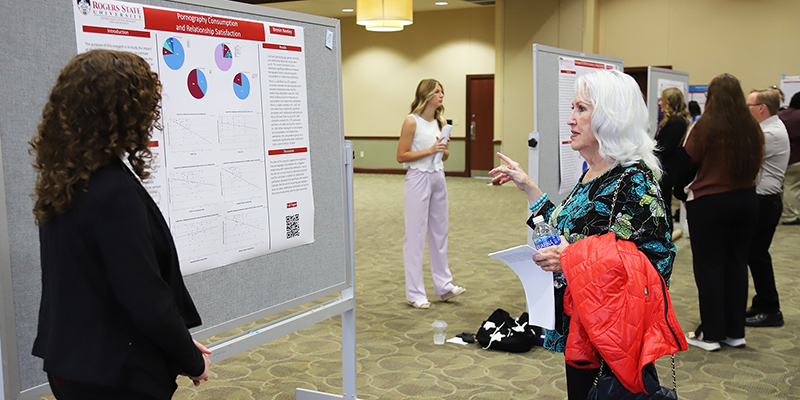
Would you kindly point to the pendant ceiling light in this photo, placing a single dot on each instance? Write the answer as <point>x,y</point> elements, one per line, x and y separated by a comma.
<point>384,15</point>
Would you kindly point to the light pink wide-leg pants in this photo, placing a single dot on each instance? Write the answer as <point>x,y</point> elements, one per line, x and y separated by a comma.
<point>425,210</point>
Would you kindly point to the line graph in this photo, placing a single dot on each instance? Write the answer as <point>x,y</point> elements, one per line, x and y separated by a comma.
<point>244,180</point>
<point>240,131</point>
<point>195,133</point>
<point>197,237</point>
<point>196,185</point>
<point>246,228</point>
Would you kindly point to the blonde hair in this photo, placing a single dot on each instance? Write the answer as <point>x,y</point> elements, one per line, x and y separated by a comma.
<point>673,106</point>
<point>425,90</point>
<point>770,98</point>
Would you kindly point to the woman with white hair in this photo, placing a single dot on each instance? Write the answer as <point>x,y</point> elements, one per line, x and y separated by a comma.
<point>609,129</point>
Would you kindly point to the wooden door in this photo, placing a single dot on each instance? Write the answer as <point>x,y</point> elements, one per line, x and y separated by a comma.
<point>480,122</point>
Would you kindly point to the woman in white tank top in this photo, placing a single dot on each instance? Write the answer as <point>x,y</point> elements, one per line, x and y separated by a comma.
<point>425,194</point>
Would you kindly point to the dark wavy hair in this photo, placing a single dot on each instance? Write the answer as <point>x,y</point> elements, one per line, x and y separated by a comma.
<point>103,105</point>
<point>729,130</point>
<point>795,102</point>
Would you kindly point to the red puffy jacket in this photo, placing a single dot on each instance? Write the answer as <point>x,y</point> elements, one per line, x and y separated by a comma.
<point>619,306</point>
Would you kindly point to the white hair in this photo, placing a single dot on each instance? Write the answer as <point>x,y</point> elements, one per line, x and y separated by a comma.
<point>619,118</point>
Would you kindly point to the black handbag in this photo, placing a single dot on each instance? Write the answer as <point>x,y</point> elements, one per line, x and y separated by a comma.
<point>608,387</point>
<point>501,332</point>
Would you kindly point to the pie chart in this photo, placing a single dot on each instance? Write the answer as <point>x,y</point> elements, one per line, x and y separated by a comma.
<point>197,84</point>
<point>223,56</point>
<point>173,53</point>
<point>241,86</point>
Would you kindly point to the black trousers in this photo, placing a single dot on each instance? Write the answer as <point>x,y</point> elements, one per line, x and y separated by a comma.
<point>770,208</point>
<point>579,381</point>
<point>721,228</point>
<point>66,390</point>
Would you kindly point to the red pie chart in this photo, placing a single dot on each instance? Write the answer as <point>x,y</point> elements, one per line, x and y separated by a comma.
<point>197,84</point>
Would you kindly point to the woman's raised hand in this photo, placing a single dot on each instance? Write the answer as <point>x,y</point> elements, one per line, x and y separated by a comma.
<point>512,172</point>
<point>509,172</point>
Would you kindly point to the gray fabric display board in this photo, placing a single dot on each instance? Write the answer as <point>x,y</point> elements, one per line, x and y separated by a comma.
<point>38,40</point>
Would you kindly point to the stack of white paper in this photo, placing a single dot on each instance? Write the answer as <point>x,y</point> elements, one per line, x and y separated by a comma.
<point>445,138</point>
<point>538,284</point>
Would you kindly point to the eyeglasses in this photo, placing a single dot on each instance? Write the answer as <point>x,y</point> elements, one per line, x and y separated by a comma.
<point>754,105</point>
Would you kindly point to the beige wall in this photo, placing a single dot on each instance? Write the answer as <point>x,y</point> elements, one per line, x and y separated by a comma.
<point>702,37</point>
<point>381,70</point>
<point>753,40</point>
<point>557,23</point>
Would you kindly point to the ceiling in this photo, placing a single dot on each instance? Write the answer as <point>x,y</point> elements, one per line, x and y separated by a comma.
<point>333,8</point>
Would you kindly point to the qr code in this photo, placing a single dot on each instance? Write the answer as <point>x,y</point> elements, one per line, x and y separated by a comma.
<point>292,226</point>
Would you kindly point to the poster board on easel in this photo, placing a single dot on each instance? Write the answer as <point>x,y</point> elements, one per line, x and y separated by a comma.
<point>41,34</point>
<point>551,163</point>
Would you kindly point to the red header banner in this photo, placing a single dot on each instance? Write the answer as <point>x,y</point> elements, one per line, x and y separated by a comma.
<point>198,24</point>
<point>277,30</point>
<point>589,64</point>
<point>281,47</point>
<point>288,151</point>
<point>115,31</point>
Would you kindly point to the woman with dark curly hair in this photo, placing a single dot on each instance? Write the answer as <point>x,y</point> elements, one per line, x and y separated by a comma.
<point>115,313</point>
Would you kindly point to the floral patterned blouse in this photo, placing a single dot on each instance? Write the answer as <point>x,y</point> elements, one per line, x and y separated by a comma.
<point>640,218</point>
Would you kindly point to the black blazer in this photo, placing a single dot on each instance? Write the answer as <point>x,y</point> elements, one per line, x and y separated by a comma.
<point>115,311</point>
<point>668,141</point>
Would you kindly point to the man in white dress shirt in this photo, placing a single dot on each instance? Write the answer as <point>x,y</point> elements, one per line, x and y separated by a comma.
<point>765,309</point>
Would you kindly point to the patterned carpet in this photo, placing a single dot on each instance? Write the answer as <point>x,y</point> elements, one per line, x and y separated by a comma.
<point>396,355</point>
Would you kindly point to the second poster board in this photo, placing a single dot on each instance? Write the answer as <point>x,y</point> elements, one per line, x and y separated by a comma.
<point>552,164</point>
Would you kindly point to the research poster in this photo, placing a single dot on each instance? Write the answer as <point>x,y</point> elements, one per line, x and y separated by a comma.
<point>231,168</point>
<point>571,164</point>
<point>790,85</point>
<point>698,93</point>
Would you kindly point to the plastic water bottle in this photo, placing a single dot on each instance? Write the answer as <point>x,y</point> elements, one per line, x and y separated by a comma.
<point>543,234</point>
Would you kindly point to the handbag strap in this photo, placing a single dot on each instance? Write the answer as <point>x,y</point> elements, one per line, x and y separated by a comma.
<point>610,223</point>
<point>616,193</point>
<point>674,380</point>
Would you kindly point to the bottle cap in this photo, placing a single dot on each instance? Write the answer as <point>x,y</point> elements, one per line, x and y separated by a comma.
<point>538,219</point>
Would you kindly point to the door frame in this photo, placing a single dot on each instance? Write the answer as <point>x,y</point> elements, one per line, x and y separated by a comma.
<point>467,119</point>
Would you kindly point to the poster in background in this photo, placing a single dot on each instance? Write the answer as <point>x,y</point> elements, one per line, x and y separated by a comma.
<point>231,171</point>
<point>790,85</point>
<point>698,93</point>
<point>571,164</point>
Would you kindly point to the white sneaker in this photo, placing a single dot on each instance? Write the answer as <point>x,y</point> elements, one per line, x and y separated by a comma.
<point>698,341</point>
<point>735,342</point>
